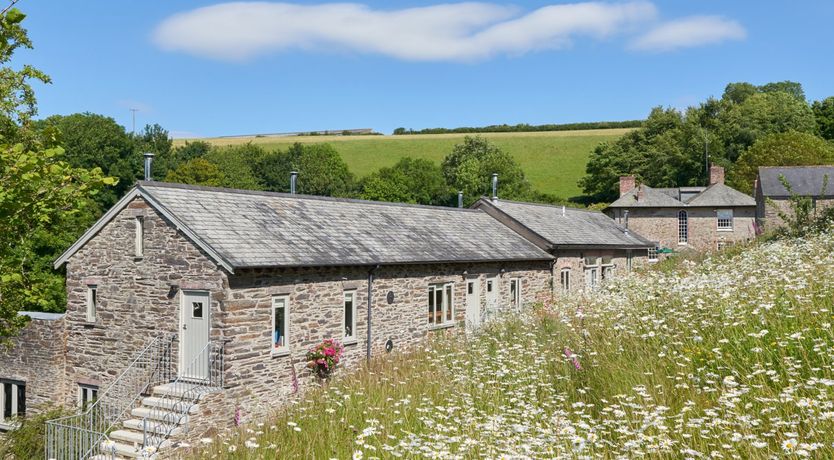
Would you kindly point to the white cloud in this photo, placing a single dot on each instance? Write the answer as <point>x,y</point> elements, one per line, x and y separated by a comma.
<point>689,32</point>
<point>445,32</point>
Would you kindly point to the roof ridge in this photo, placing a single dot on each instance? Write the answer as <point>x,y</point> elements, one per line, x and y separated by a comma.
<point>297,196</point>
<point>548,205</point>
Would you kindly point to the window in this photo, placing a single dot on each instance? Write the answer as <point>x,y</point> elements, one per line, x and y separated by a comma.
<point>725,219</point>
<point>515,292</point>
<point>140,236</point>
<point>591,272</point>
<point>196,310</point>
<point>565,279</point>
<point>489,285</point>
<point>470,287</point>
<point>350,315</point>
<point>86,394</point>
<point>280,324</point>
<point>608,272</point>
<point>683,227</point>
<point>441,305</point>
<point>92,303</point>
<point>13,400</point>
<point>722,245</point>
<point>653,253</point>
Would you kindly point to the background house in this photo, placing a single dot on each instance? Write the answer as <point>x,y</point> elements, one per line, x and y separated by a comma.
<point>703,218</point>
<point>773,198</point>
<point>589,247</point>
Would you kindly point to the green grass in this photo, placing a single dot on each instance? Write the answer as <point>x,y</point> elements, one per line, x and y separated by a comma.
<point>553,161</point>
<point>731,356</point>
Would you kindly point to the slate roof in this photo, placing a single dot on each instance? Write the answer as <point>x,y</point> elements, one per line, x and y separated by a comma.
<point>712,196</point>
<point>804,180</point>
<point>244,228</point>
<point>574,228</point>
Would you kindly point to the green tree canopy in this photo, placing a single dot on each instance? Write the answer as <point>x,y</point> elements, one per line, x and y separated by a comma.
<point>237,164</point>
<point>470,165</point>
<point>824,116</point>
<point>410,180</point>
<point>197,171</point>
<point>779,149</point>
<point>321,171</point>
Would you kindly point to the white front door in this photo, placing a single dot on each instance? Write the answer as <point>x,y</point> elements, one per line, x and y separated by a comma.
<point>194,335</point>
<point>473,304</point>
<point>492,294</point>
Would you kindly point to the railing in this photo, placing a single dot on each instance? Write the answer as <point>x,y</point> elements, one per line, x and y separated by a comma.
<point>204,374</point>
<point>79,436</point>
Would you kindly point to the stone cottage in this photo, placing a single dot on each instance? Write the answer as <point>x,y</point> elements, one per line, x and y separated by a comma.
<point>588,246</point>
<point>773,199</point>
<point>679,218</point>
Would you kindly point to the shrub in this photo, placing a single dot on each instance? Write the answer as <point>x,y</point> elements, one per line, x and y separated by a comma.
<point>27,440</point>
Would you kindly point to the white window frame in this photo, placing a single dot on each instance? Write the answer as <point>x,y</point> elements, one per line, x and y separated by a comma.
<point>652,253</point>
<point>592,273</point>
<point>724,224</point>
<point>90,391</point>
<point>515,297</point>
<point>15,384</point>
<point>352,295</point>
<point>139,243</point>
<point>447,304</point>
<point>683,227</point>
<point>284,300</point>
<point>564,279</point>
<point>92,303</point>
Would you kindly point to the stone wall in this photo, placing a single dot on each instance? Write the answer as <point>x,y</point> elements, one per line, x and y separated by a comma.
<point>138,297</point>
<point>257,376</point>
<point>770,210</point>
<point>37,358</point>
<point>661,225</point>
<point>575,259</point>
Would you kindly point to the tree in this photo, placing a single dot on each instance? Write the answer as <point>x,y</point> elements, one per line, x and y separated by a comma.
<point>321,170</point>
<point>470,165</point>
<point>237,163</point>
<point>197,171</point>
<point>824,116</point>
<point>40,193</point>
<point>410,180</point>
<point>780,149</point>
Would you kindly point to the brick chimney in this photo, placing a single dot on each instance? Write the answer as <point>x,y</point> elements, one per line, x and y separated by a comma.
<point>716,175</point>
<point>626,184</point>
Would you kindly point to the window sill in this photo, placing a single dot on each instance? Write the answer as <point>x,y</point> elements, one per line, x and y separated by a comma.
<point>348,342</point>
<point>280,353</point>
<point>725,230</point>
<point>4,426</point>
<point>435,327</point>
<point>653,261</point>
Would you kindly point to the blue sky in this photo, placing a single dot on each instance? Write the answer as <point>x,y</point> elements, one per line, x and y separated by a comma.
<point>208,68</point>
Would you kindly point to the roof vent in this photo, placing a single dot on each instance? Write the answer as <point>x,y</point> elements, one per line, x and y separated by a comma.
<point>148,164</point>
<point>494,187</point>
<point>293,180</point>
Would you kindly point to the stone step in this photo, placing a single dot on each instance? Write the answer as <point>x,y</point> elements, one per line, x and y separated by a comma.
<point>157,413</point>
<point>182,390</point>
<point>123,451</point>
<point>175,405</point>
<point>135,438</point>
<point>157,428</point>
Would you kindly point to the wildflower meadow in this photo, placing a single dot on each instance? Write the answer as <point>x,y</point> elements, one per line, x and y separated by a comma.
<point>731,356</point>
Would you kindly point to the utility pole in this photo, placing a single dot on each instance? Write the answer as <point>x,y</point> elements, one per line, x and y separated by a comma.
<point>706,155</point>
<point>133,112</point>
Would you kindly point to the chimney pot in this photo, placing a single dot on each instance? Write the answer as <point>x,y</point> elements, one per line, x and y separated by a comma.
<point>148,164</point>
<point>494,187</point>
<point>627,184</point>
<point>716,175</point>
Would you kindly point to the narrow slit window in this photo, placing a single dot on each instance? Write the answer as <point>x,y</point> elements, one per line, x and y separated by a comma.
<point>140,236</point>
<point>441,306</point>
<point>350,315</point>
<point>13,397</point>
<point>92,303</point>
<point>280,324</point>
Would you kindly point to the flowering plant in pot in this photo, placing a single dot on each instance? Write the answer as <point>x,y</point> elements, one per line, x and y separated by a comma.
<point>324,357</point>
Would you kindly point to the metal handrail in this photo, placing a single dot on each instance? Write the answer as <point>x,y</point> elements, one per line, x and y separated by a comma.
<point>209,362</point>
<point>78,436</point>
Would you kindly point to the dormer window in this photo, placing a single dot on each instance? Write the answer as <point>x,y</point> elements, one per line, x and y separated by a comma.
<point>140,236</point>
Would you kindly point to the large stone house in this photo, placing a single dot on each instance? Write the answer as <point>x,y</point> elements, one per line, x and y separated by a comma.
<point>192,308</point>
<point>678,218</point>
<point>773,198</point>
<point>588,246</point>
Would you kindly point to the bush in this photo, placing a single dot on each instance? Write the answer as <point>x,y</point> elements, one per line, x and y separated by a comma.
<point>27,440</point>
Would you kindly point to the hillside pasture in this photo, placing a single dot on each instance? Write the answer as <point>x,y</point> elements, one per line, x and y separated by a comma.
<point>553,161</point>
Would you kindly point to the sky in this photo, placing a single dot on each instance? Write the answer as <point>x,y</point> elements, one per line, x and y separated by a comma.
<point>203,69</point>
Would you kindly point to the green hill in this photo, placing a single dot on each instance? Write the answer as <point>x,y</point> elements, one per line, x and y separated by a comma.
<point>553,161</point>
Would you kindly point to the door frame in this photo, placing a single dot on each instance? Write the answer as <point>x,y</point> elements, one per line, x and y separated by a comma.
<point>181,365</point>
<point>475,298</point>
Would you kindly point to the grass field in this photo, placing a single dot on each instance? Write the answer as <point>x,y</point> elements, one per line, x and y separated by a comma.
<point>727,357</point>
<point>553,161</point>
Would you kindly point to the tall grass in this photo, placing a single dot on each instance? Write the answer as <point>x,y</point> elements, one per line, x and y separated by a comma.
<point>728,357</point>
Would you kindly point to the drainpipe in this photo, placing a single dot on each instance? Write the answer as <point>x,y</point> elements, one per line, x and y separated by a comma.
<point>370,297</point>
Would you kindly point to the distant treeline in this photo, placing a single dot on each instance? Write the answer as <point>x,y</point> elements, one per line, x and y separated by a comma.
<point>525,128</point>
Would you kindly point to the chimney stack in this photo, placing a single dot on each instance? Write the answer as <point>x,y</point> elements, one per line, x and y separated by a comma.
<point>716,175</point>
<point>148,164</point>
<point>460,198</point>
<point>494,187</point>
<point>293,180</point>
<point>627,184</point>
